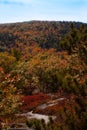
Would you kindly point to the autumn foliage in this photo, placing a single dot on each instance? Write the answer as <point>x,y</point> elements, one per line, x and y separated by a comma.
<point>32,101</point>
<point>38,58</point>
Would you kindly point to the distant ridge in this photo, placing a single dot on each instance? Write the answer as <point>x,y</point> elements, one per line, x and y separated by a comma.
<point>47,34</point>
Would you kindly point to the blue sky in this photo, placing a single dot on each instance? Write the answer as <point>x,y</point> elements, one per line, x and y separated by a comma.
<point>59,10</point>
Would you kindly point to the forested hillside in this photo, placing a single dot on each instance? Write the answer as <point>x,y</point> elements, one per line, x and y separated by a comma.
<point>45,34</point>
<point>43,62</point>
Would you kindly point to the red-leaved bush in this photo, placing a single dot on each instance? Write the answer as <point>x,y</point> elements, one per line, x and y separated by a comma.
<point>32,101</point>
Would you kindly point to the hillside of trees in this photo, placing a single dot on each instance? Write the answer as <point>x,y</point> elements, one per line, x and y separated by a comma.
<point>45,34</point>
<point>50,57</point>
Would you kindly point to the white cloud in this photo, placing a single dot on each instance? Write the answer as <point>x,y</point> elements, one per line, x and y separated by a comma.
<point>16,1</point>
<point>22,1</point>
